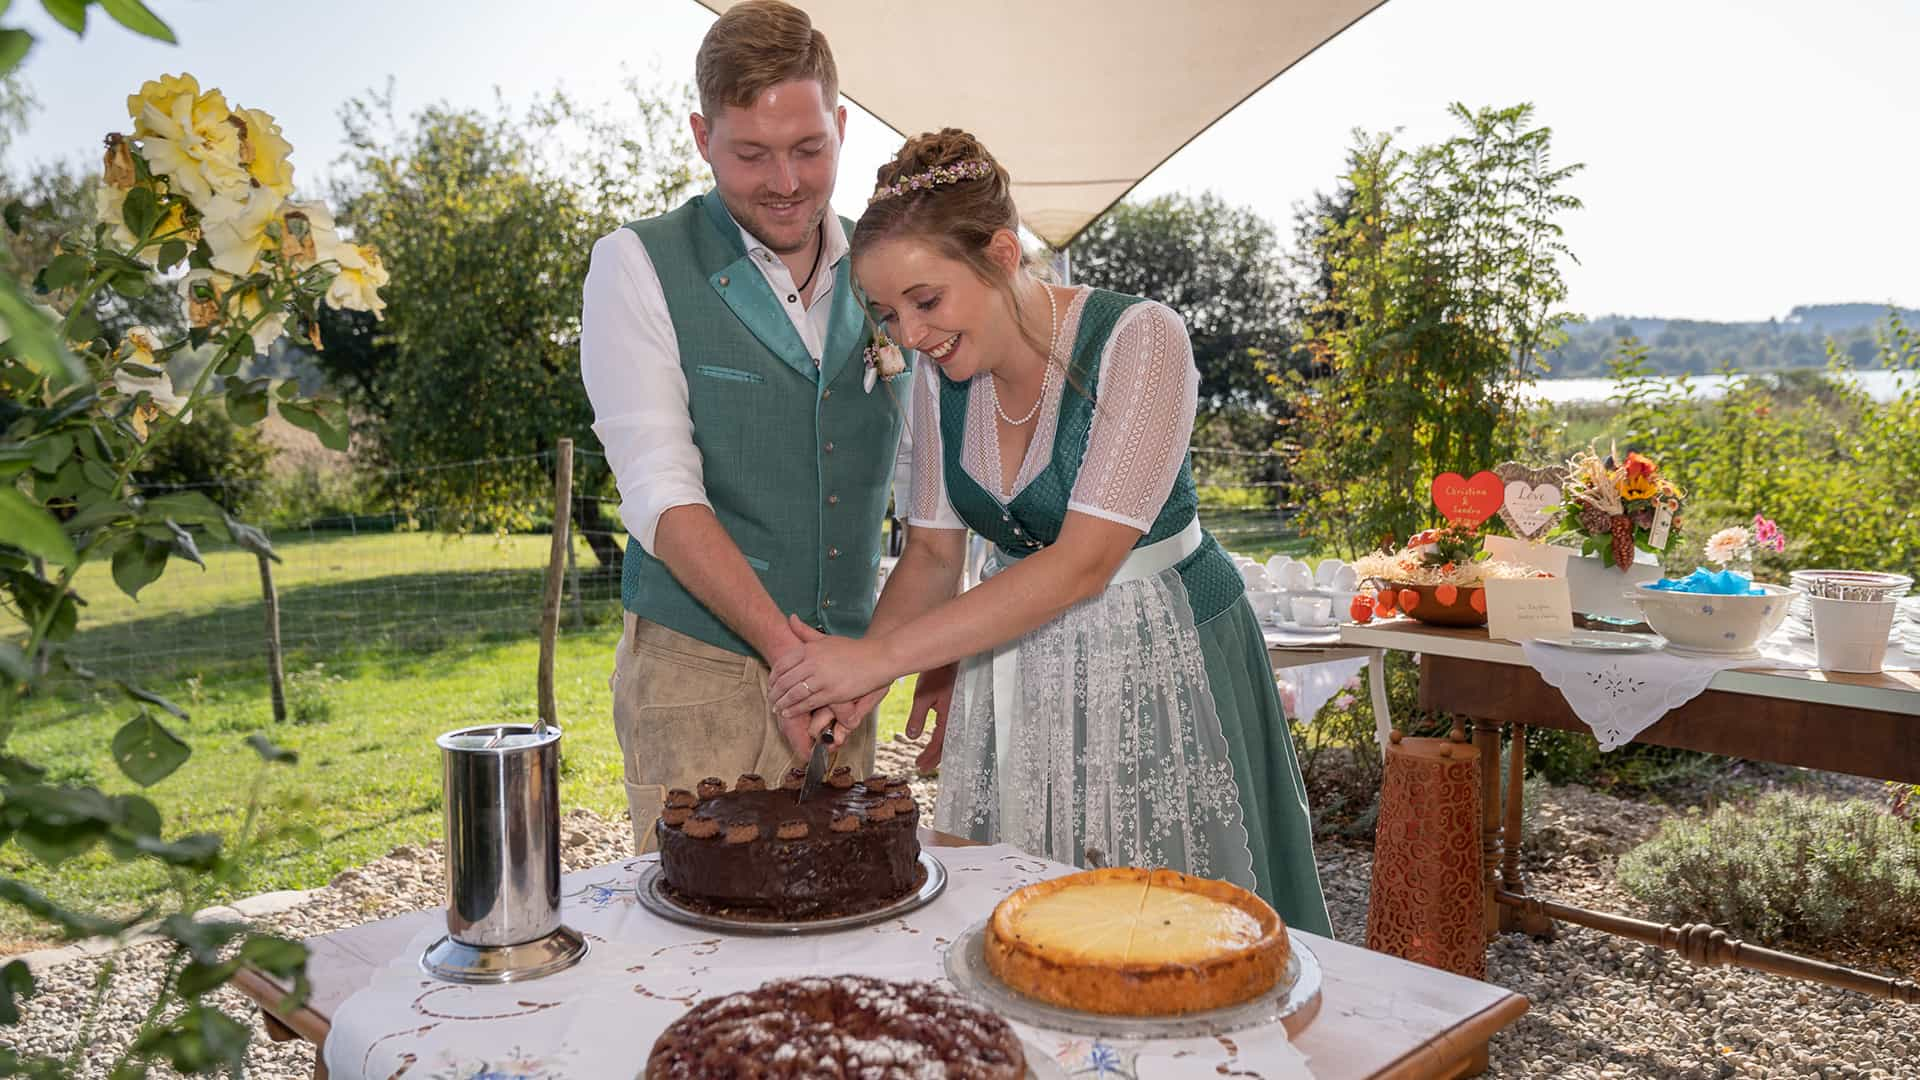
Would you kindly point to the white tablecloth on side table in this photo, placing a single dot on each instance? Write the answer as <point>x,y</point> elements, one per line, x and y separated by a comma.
<point>598,1021</point>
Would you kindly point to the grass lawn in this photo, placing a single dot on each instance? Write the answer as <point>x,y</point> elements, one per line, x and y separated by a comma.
<point>391,638</point>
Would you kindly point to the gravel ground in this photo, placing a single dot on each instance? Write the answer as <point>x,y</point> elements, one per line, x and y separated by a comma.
<point>1602,1006</point>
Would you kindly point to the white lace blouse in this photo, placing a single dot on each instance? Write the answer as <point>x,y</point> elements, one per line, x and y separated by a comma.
<point>1147,392</point>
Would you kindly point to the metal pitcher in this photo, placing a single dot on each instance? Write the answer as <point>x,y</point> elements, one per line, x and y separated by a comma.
<point>502,792</point>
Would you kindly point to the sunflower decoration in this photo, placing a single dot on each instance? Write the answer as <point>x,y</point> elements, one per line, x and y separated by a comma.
<point>1620,505</point>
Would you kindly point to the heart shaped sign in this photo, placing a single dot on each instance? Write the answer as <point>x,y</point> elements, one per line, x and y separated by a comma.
<point>1531,494</point>
<point>1468,501</point>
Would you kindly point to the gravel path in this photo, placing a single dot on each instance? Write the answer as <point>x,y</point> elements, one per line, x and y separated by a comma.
<point>1602,1006</point>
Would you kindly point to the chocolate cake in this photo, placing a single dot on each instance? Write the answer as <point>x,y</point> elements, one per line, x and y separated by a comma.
<point>845,1025</point>
<point>755,852</point>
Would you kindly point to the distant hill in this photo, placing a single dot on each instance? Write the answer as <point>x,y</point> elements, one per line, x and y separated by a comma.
<point>1699,347</point>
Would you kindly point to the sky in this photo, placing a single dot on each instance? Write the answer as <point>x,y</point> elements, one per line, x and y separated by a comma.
<point>1742,156</point>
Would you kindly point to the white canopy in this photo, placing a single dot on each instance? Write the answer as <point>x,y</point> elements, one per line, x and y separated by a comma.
<point>1079,99</point>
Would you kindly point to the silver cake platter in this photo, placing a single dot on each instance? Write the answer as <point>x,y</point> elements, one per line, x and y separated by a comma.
<point>656,898</point>
<point>1298,988</point>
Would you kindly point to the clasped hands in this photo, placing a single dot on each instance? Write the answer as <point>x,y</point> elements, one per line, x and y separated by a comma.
<point>802,721</point>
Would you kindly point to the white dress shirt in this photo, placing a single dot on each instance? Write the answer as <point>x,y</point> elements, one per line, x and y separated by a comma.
<point>630,362</point>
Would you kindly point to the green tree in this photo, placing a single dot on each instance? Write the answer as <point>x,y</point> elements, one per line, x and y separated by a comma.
<point>486,222</point>
<point>1445,286</point>
<point>1220,267</point>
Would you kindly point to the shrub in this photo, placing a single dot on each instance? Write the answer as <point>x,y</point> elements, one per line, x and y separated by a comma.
<point>309,695</point>
<point>1783,867</point>
<point>213,455</point>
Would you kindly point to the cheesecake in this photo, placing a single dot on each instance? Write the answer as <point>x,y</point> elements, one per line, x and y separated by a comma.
<point>1133,942</point>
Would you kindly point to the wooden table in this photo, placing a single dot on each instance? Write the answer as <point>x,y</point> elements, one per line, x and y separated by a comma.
<point>1866,725</point>
<point>1379,1017</point>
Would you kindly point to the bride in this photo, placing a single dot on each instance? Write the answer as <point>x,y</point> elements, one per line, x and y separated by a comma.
<point>1112,688</point>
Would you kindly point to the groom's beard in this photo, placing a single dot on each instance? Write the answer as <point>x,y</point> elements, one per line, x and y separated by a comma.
<point>784,237</point>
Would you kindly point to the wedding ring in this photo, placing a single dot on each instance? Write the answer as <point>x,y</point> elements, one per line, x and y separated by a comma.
<point>804,685</point>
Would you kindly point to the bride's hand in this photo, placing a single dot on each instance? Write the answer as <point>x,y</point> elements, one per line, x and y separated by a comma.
<point>825,671</point>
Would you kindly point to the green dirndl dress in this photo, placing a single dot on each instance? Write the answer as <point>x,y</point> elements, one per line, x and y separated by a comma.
<point>1143,723</point>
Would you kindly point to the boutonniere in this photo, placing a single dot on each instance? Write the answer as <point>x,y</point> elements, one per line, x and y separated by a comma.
<point>884,360</point>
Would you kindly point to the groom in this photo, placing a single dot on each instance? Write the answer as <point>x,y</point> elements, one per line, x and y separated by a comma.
<point>722,347</point>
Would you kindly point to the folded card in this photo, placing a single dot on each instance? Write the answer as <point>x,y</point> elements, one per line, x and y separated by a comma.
<point>1519,609</point>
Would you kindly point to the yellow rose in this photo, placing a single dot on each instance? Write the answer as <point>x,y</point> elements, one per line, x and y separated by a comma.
<point>264,152</point>
<point>205,292</point>
<point>236,229</point>
<point>190,138</point>
<point>357,286</point>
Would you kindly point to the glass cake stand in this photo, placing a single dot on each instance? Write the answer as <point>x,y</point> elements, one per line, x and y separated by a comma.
<point>655,897</point>
<point>1299,987</point>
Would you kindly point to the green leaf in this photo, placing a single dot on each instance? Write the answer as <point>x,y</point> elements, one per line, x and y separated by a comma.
<point>200,851</point>
<point>269,752</point>
<point>140,211</point>
<point>203,940</point>
<point>14,47</point>
<point>20,771</point>
<point>326,419</point>
<point>52,453</point>
<point>99,476</point>
<point>246,408</point>
<point>97,513</point>
<point>34,337</point>
<point>64,271</point>
<point>149,697</point>
<point>147,752</point>
<point>15,213</point>
<point>171,253</point>
<point>71,14</point>
<point>14,663</point>
<point>16,985</point>
<point>134,15</point>
<point>197,978</point>
<point>73,924</point>
<point>273,955</point>
<point>191,507</point>
<point>132,286</point>
<point>201,1039</point>
<point>136,565</point>
<point>30,528</point>
<point>137,815</point>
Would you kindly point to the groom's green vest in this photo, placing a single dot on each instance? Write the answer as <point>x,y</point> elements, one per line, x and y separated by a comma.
<point>796,460</point>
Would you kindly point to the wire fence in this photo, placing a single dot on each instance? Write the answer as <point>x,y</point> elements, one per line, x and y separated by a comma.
<point>394,570</point>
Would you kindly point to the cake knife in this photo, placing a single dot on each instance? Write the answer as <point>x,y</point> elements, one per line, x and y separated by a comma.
<point>816,765</point>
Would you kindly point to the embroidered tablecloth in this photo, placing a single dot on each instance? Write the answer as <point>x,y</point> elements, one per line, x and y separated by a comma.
<point>598,1021</point>
<point>1620,695</point>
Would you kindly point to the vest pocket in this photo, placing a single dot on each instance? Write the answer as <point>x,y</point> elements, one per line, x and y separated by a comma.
<point>714,371</point>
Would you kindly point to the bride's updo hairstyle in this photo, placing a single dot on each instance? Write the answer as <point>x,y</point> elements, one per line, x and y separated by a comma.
<point>945,188</point>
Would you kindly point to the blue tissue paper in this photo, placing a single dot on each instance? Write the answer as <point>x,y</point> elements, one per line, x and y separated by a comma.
<point>1710,582</point>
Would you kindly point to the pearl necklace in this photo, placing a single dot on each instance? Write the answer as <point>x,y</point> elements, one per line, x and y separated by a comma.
<point>1046,378</point>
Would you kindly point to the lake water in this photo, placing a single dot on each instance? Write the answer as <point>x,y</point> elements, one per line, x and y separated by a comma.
<point>1882,385</point>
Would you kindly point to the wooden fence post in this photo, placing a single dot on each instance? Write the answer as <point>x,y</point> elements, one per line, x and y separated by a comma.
<point>276,673</point>
<point>556,567</point>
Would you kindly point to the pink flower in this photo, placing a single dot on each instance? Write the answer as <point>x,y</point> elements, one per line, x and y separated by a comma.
<point>1343,702</point>
<point>1767,534</point>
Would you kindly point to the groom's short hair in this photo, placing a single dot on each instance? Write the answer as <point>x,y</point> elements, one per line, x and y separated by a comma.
<point>757,45</point>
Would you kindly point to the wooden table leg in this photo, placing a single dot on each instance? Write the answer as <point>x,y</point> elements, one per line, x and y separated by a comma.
<point>1514,878</point>
<point>1486,739</point>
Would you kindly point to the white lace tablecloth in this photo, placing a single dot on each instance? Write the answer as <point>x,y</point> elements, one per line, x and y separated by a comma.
<point>598,1021</point>
<point>1620,695</point>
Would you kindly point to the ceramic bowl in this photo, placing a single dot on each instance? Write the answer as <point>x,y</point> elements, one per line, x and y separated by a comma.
<point>1703,622</point>
<point>1263,602</point>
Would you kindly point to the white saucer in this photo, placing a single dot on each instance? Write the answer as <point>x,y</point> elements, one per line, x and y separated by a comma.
<point>1604,641</point>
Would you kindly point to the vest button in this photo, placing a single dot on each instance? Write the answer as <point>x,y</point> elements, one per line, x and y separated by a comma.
<point>833,553</point>
<point>723,281</point>
<point>826,603</point>
<point>829,447</point>
<point>825,394</point>
<point>1016,530</point>
<point>833,500</point>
